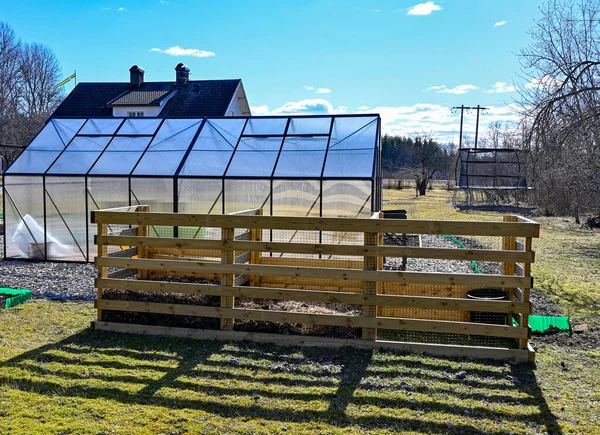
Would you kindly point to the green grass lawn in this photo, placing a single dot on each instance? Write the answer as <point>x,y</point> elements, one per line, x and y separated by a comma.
<point>59,377</point>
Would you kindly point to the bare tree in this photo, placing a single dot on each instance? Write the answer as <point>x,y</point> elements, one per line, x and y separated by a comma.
<point>10,50</point>
<point>28,73</point>
<point>561,104</point>
<point>426,158</point>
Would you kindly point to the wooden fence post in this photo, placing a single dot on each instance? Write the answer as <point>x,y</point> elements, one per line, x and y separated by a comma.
<point>227,256</point>
<point>370,287</point>
<point>526,290</point>
<point>509,243</point>
<point>255,235</point>
<point>102,271</point>
<point>142,251</point>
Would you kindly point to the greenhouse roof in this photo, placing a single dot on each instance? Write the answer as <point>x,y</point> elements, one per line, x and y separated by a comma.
<point>341,146</point>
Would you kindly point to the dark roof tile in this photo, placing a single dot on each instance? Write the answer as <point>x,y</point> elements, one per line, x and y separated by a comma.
<point>197,98</point>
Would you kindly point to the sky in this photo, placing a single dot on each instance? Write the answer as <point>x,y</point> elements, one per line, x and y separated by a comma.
<point>411,61</point>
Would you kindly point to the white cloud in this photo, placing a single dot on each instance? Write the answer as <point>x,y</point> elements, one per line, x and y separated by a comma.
<point>363,108</point>
<point>318,90</point>
<point>180,51</point>
<point>165,2</point>
<point>546,82</point>
<point>424,9</point>
<point>500,23</point>
<point>121,9</point>
<point>500,88</point>
<point>457,90</point>
<point>259,110</point>
<point>376,10</point>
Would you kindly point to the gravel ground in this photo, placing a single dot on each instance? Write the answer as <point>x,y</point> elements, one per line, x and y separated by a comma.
<point>47,279</point>
<point>446,266</point>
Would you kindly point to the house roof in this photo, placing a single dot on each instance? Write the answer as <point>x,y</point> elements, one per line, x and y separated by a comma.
<point>197,98</point>
<point>150,95</point>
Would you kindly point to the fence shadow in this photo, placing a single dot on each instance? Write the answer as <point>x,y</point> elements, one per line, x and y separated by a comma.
<point>347,388</point>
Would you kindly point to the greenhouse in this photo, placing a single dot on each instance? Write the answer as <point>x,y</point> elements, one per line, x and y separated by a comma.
<point>287,166</point>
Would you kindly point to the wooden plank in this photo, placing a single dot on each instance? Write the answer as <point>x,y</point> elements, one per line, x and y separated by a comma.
<point>521,219</point>
<point>155,252</point>
<point>322,249</point>
<point>315,272</point>
<point>228,278</point>
<point>356,298</point>
<point>400,324</point>
<point>312,262</point>
<point>518,355</point>
<point>322,224</point>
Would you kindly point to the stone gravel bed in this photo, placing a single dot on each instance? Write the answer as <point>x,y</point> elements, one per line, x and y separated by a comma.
<point>444,266</point>
<point>48,279</point>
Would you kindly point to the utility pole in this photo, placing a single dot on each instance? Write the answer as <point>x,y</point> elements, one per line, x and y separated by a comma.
<point>462,110</point>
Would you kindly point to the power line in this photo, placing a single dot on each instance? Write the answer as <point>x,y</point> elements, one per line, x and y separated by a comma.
<point>462,111</point>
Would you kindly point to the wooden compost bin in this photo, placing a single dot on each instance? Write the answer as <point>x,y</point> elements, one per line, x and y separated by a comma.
<point>344,268</point>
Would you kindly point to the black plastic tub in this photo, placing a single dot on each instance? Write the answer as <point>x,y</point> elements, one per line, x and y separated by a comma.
<point>488,294</point>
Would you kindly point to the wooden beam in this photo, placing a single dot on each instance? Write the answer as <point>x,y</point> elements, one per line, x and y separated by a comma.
<point>518,355</point>
<point>424,302</point>
<point>315,272</point>
<point>321,224</point>
<point>400,324</point>
<point>227,279</point>
<point>316,249</point>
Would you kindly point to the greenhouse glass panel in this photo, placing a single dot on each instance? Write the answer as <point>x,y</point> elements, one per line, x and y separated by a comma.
<point>301,157</point>
<point>296,198</point>
<point>106,126</point>
<point>143,126</point>
<point>255,156</point>
<point>158,194</point>
<point>66,220</point>
<point>246,194</point>
<point>265,126</point>
<point>102,193</point>
<point>120,156</point>
<point>24,217</point>
<point>80,155</point>
<point>45,147</point>
<point>309,125</point>
<point>351,152</point>
<point>213,148</point>
<point>169,146</point>
<point>347,199</point>
<point>200,196</point>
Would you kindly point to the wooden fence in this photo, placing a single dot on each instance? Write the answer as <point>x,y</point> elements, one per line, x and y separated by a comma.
<point>234,249</point>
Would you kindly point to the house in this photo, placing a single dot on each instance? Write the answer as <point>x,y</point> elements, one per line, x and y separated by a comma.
<point>138,98</point>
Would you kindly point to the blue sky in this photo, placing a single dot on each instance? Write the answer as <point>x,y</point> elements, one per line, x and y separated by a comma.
<point>409,60</point>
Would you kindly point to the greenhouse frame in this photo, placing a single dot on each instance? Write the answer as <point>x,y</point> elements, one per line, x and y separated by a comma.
<point>322,166</point>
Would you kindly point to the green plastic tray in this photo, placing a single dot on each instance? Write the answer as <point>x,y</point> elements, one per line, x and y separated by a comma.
<point>15,297</point>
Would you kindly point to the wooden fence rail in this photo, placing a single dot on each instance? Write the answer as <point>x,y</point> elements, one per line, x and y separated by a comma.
<point>243,263</point>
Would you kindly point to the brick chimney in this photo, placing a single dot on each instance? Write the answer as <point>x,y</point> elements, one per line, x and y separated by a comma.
<point>182,74</point>
<point>136,76</point>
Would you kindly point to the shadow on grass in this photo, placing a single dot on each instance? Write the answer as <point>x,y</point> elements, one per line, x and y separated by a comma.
<point>345,388</point>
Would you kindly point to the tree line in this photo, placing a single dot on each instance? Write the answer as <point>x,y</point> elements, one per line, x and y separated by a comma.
<point>28,73</point>
<point>420,158</point>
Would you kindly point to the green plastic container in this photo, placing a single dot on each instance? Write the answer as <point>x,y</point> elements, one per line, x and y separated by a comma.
<point>15,297</point>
